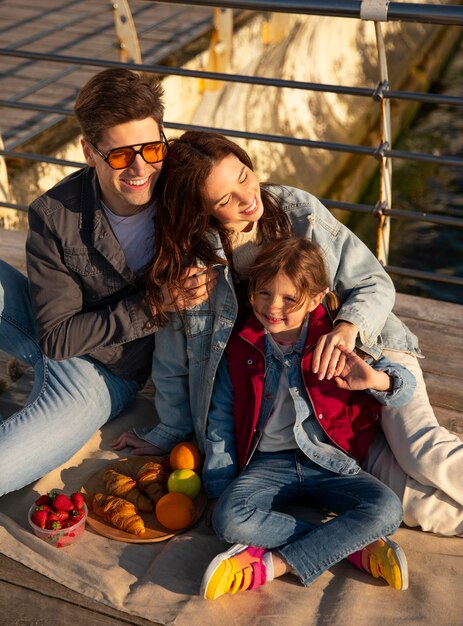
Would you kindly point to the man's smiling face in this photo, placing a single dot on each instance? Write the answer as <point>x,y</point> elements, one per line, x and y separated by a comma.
<point>126,191</point>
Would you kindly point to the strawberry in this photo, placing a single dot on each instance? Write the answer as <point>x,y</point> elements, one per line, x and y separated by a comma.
<point>53,525</point>
<point>44,499</point>
<point>39,517</point>
<point>78,500</point>
<point>69,523</point>
<point>43,507</point>
<point>76,515</point>
<point>62,503</point>
<point>59,516</point>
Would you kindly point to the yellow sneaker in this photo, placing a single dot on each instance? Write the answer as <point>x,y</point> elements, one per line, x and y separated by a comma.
<point>238,569</point>
<point>387,560</point>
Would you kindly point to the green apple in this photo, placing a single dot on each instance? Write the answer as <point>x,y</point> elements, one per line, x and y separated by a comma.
<point>184,481</point>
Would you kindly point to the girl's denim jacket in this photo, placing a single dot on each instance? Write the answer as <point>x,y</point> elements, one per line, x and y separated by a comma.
<point>189,348</point>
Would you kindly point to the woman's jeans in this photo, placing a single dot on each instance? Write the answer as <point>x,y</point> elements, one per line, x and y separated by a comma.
<point>70,399</point>
<point>251,511</point>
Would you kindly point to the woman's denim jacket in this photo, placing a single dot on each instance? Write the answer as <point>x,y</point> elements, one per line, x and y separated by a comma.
<point>188,351</point>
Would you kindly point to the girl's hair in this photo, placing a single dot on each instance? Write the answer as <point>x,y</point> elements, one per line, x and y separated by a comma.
<point>116,96</point>
<point>183,220</point>
<point>302,262</point>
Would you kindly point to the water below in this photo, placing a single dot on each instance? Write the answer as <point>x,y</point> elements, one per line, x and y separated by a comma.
<point>427,187</point>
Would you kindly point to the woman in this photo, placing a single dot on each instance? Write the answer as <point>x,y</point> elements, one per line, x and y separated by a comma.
<point>213,211</point>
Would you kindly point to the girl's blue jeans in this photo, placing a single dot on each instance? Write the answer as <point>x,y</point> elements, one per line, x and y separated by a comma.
<point>251,511</point>
<point>70,399</point>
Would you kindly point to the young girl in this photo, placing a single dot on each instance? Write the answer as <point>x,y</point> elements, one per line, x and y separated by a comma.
<point>211,210</point>
<point>277,435</point>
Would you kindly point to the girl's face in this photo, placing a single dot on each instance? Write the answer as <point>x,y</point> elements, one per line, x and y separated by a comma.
<point>232,193</point>
<point>274,308</point>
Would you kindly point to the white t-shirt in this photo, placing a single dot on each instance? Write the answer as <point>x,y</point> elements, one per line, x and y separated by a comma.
<point>279,431</point>
<point>135,233</point>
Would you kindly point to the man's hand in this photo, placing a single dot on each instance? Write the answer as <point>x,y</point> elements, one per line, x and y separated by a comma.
<point>327,357</point>
<point>140,446</point>
<point>357,375</point>
<point>199,282</point>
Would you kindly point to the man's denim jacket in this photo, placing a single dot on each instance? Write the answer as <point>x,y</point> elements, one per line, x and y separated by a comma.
<point>188,351</point>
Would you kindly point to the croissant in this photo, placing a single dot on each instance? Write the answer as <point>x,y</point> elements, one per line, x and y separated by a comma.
<point>150,479</point>
<point>123,486</point>
<point>118,512</point>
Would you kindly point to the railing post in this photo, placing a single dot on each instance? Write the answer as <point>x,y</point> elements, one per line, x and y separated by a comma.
<point>385,184</point>
<point>376,10</point>
<point>129,48</point>
<point>4,187</point>
<point>220,48</point>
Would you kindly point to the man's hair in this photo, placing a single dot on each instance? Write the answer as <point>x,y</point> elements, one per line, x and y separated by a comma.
<point>116,96</point>
<point>302,262</point>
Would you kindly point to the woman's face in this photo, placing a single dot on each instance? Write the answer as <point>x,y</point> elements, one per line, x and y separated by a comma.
<point>232,194</point>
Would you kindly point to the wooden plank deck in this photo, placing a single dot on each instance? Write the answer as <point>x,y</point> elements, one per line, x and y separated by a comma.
<point>82,28</point>
<point>28,598</point>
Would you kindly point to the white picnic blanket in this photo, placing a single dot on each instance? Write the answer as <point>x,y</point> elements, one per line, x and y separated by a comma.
<point>160,581</point>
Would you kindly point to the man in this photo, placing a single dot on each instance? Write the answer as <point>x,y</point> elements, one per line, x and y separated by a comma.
<point>80,320</point>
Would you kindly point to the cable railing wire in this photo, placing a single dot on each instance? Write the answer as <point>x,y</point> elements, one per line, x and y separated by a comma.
<point>282,139</point>
<point>262,81</point>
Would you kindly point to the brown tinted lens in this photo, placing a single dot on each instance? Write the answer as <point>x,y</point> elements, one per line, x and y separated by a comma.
<point>121,157</point>
<point>154,152</point>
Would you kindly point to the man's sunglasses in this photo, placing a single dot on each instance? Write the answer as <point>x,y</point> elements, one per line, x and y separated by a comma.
<point>120,158</point>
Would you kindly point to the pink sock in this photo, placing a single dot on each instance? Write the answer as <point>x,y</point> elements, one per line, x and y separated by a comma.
<point>356,559</point>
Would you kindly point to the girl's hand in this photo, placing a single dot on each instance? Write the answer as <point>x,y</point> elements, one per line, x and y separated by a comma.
<point>328,359</point>
<point>357,375</point>
<point>140,446</point>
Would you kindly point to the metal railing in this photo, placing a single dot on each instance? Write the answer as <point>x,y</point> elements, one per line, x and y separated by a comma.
<point>375,10</point>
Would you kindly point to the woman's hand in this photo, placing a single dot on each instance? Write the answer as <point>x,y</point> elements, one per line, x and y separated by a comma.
<point>199,282</point>
<point>140,446</point>
<point>357,375</point>
<point>328,360</point>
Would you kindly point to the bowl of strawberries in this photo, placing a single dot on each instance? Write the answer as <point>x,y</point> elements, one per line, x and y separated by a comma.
<point>57,518</point>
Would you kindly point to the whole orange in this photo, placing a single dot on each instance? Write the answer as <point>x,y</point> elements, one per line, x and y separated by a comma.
<point>175,511</point>
<point>186,456</point>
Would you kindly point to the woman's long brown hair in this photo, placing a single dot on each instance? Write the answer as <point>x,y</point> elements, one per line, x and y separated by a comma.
<point>183,222</point>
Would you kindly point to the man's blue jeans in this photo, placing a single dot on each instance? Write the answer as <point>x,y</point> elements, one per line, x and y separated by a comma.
<point>251,511</point>
<point>69,401</point>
